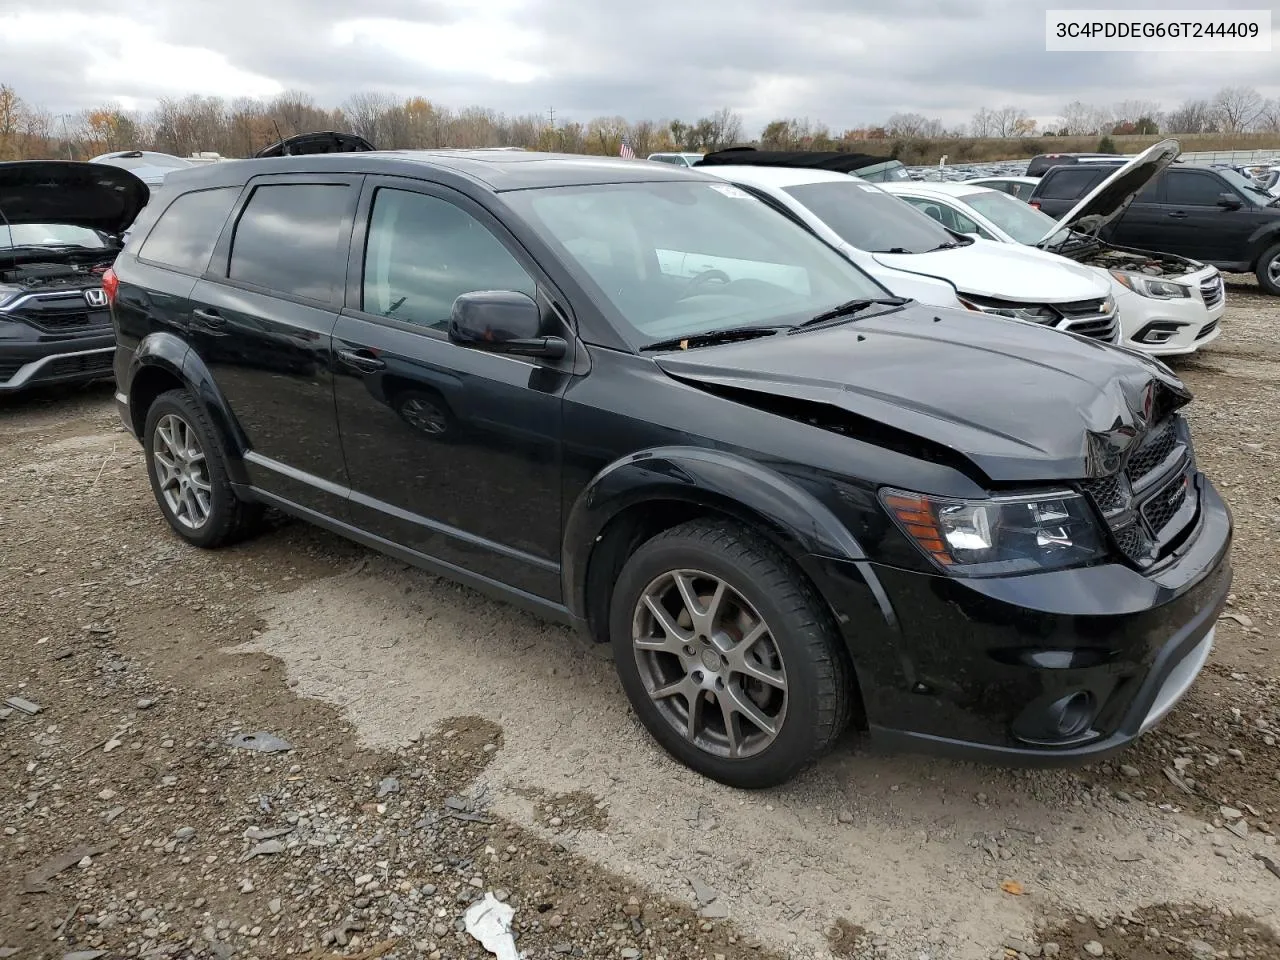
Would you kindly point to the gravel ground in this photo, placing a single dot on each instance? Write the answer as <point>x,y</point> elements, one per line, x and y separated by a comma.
<point>439,748</point>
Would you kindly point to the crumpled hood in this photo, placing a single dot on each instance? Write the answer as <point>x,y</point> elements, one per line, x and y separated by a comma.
<point>1021,402</point>
<point>1004,271</point>
<point>92,195</point>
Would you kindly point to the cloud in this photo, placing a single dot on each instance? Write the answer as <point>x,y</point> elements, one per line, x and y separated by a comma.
<point>842,63</point>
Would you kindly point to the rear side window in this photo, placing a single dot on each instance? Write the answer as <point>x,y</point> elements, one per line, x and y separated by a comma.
<point>287,239</point>
<point>1188,188</point>
<point>186,233</point>
<point>1069,183</point>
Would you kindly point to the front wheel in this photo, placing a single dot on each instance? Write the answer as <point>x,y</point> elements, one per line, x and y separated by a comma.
<point>186,464</point>
<point>729,657</point>
<point>1268,271</point>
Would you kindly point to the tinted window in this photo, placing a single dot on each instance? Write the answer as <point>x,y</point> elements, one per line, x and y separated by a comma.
<point>423,253</point>
<point>869,219</point>
<point>1071,183</point>
<point>681,258</point>
<point>1192,189</point>
<point>287,239</point>
<point>186,232</point>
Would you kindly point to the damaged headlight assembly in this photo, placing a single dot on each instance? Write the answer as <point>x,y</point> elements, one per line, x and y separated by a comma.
<point>1152,287</point>
<point>1000,535</point>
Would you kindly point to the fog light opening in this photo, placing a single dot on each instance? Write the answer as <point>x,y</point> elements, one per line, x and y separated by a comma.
<point>1072,715</point>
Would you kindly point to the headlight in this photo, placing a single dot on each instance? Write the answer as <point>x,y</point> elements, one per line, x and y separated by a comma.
<point>1030,313</point>
<point>1152,287</point>
<point>1000,535</point>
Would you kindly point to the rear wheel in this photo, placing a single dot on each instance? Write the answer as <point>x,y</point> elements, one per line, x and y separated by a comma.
<point>1268,271</point>
<point>186,463</point>
<point>728,656</point>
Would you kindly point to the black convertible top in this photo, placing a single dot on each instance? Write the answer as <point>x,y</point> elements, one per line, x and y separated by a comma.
<point>835,160</point>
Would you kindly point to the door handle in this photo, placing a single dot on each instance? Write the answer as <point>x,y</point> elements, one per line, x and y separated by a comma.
<point>209,318</point>
<point>361,360</point>
<point>1178,215</point>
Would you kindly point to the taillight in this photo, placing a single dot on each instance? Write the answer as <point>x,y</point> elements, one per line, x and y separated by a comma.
<point>1034,203</point>
<point>110,285</point>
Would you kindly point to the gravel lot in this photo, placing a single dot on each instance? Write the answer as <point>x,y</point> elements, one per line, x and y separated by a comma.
<point>444,747</point>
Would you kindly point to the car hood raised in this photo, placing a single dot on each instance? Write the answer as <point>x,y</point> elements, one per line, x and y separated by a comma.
<point>1020,402</point>
<point>92,195</point>
<point>1004,271</point>
<point>1111,198</point>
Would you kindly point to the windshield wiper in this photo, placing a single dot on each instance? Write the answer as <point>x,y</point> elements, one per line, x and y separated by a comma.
<point>949,245</point>
<point>851,307</point>
<point>712,337</point>
<point>893,250</point>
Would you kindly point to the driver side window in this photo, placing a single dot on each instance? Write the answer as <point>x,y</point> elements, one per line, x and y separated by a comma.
<point>422,253</point>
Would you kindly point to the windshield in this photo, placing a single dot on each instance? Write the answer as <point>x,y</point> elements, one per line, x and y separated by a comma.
<point>1250,188</point>
<point>679,259</point>
<point>1019,220</point>
<point>49,235</point>
<point>869,219</point>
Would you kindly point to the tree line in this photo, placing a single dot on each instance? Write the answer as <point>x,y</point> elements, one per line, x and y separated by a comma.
<point>240,127</point>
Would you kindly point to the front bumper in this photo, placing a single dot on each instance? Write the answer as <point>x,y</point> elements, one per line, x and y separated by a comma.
<point>1169,327</point>
<point>30,363</point>
<point>978,669</point>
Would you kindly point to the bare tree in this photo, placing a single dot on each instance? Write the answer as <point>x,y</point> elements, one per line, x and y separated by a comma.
<point>1009,121</point>
<point>983,124</point>
<point>1078,119</point>
<point>364,112</point>
<point>1194,116</point>
<point>1131,111</point>
<point>12,116</point>
<point>1269,116</point>
<point>1236,108</point>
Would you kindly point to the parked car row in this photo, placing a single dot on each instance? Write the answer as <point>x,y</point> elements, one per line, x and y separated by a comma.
<point>778,437</point>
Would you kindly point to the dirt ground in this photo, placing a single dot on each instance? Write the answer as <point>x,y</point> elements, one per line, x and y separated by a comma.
<point>443,747</point>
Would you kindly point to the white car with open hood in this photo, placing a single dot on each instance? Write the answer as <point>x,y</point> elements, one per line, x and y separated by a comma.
<point>914,256</point>
<point>1168,304</point>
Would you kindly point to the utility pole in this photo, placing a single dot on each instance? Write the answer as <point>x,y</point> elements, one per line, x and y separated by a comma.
<point>552,112</point>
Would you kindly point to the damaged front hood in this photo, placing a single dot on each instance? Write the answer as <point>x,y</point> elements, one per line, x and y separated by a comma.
<point>1020,402</point>
<point>92,195</point>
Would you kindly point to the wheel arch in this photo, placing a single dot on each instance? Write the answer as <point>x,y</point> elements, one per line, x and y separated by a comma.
<point>164,362</point>
<point>638,497</point>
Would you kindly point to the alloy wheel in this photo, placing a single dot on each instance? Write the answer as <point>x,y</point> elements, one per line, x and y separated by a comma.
<point>424,415</point>
<point>1273,270</point>
<point>182,472</point>
<point>710,663</point>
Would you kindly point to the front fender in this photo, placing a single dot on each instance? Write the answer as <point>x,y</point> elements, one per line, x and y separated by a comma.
<point>729,483</point>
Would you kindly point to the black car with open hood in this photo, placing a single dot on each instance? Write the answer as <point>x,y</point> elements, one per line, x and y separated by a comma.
<point>61,226</point>
<point>636,399</point>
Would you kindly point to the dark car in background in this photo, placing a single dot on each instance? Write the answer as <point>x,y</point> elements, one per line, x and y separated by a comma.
<point>684,424</point>
<point>60,229</point>
<point>1214,215</point>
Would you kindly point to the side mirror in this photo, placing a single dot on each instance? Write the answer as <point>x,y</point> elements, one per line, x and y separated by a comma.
<point>502,321</point>
<point>1230,201</point>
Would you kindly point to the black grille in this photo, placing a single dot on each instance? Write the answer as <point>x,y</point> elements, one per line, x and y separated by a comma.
<point>1099,328</point>
<point>1207,329</point>
<point>61,312</point>
<point>1211,291</point>
<point>1133,542</point>
<point>86,363</point>
<point>1152,453</point>
<point>1081,309</point>
<point>1162,507</point>
<point>1107,493</point>
<point>8,368</point>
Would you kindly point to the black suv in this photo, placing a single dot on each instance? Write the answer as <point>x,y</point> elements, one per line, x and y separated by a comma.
<point>635,399</point>
<point>60,227</point>
<point>1215,215</point>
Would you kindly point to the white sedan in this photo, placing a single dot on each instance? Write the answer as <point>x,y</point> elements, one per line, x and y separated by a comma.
<point>1167,305</point>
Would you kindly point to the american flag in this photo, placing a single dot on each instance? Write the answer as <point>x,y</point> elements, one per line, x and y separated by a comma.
<point>626,152</point>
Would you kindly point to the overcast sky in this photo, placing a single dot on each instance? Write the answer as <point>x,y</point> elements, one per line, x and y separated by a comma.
<point>844,62</point>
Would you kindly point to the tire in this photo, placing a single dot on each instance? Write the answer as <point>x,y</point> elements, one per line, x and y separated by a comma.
<point>800,647</point>
<point>1268,272</point>
<point>209,515</point>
